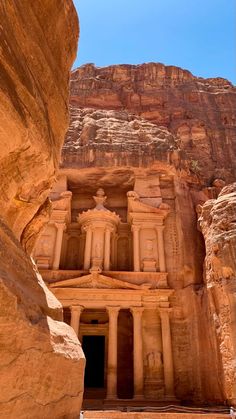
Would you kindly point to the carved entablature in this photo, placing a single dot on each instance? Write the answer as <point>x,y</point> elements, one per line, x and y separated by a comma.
<point>95,289</point>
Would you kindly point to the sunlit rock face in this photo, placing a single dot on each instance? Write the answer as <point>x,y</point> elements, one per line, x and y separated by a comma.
<point>154,138</point>
<point>38,351</point>
<point>199,112</point>
<point>159,143</point>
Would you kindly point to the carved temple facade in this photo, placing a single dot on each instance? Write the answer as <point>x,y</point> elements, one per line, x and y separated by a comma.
<point>103,255</point>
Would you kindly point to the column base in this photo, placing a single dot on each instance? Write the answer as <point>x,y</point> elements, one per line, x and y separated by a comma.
<point>170,397</point>
<point>111,397</point>
<point>138,397</point>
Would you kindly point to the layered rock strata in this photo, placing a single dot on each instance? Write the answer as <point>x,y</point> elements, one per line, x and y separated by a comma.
<point>41,361</point>
<point>199,112</point>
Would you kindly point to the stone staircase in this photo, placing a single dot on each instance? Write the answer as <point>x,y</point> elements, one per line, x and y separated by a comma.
<point>89,414</point>
<point>162,412</point>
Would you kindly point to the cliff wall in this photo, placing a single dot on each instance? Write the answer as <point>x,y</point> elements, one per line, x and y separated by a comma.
<point>154,119</point>
<point>38,351</point>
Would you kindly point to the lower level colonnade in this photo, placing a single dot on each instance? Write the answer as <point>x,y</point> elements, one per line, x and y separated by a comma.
<point>138,358</point>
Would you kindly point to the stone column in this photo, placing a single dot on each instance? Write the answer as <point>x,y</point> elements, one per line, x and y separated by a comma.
<point>112,353</point>
<point>107,250</point>
<point>57,250</point>
<point>136,249</point>
<point>87,250</point>
<point>138,351</point>
<point>75,317</point>
<point>161,250</point>
<point>167,353</point>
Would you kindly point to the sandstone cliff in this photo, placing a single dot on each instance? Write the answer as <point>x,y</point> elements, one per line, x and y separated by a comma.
<point>38,352</point>
<point>162,120</point>
<point>199,112</point>
<point>218,223</point>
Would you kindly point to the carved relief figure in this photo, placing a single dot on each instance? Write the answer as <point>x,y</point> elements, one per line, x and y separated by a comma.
<point>44,246</point>
<point>149,249</point>
<point>98,250</point>
<point>154,364</point>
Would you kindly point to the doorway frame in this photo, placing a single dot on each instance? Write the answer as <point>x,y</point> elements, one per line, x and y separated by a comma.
<point>88,329</point>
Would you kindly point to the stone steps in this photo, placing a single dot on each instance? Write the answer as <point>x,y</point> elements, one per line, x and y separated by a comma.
<point>89,414</point>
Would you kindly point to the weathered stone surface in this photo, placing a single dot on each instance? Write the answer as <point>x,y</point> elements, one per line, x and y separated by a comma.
<point>150,415</point>
<point>167,136</point>
<point>218,223</point>
<point>200,112</point>
<point>115,138</point>
<point>41,361</point>
<point>34,74</point>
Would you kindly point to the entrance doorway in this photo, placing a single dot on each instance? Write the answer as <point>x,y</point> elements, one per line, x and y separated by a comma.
<point>94,350</point>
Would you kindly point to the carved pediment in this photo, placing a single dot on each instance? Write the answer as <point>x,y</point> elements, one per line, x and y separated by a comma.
<point>136,205</point>
<point>96,280</point>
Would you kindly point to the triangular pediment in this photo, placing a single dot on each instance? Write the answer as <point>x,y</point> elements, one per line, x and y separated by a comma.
<point>97,280</point>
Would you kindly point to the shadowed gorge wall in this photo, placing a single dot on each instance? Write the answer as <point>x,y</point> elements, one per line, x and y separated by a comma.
<point>38,350</point>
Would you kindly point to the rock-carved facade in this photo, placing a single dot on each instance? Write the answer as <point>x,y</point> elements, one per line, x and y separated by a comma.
<point>146,286</point>
<point>106,264</point>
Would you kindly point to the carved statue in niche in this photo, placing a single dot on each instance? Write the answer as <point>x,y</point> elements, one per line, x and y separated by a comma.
<point>154,364</point>
<point>98,250</point>
<point>149,249</point>
<point>149,262</point>
<point>44,246</point>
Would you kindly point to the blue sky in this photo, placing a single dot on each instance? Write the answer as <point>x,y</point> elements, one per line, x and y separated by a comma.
<point>198,35</point>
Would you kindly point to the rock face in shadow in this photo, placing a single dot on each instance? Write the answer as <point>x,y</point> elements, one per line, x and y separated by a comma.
<point>34,74</point>
<point>41,360</point>
<point>218,223</point>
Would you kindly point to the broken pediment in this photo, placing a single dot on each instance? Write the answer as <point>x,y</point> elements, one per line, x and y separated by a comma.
<point>96,280</point>
<point>136,205</point>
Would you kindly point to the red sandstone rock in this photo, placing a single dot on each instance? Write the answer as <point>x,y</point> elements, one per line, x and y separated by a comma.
<point>218,223</point>
<point>200,112</point>
<point>151,120</point>
<point>35,64</point>
<point>38,351</point>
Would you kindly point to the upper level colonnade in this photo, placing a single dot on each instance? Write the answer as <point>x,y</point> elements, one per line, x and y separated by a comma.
<point>100,240</point>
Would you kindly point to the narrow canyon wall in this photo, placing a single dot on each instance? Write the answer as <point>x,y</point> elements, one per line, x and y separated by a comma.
<point>218,223</point>
<point>162,120</point>
<point>41,361</point>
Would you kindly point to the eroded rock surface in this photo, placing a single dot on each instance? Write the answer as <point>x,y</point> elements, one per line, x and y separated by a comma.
<point>35,64</point>
<point>165,134</point>
<point>200,112</point>
<point>218,223</point>
<point>41,361</point>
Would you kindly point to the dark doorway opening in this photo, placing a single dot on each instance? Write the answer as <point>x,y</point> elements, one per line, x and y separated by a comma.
<point>94,350</point>
<point>125,355</point>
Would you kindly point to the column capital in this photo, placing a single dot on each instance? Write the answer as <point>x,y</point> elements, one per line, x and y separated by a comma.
<point>136,310</point>
<point>76,309</point>
<point>87,228</point>
<point>164,311</point>
<point>109,228</point>
<point>159,227</point>
<point>135,227</point>
<point>113,310</point>
<point>60,226</point>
